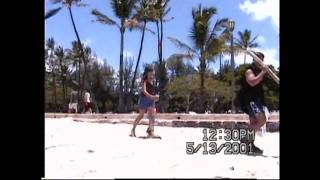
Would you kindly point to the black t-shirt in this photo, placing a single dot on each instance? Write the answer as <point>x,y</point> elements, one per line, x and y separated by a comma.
<point>254,93</point>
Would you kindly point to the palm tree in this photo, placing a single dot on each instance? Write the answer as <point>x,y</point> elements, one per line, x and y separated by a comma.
<point>155,11</point>
<point>88,58</point>
<point>161,9</point>
<point>50,43</point>
<point>68,4</point>
<point>64,63</point>
<point>207,42</point>
<point>75,55</point>
<point>59,52</point>
<point>143,15</point>
<point>246,41</point>
<point>123,10</point>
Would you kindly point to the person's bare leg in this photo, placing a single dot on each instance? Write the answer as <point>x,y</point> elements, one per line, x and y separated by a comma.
<point>257,121</point>
<point>151,117</point>
<point>136,122</point>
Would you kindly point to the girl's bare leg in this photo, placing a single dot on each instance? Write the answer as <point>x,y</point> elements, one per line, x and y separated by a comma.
<point>151,117</point>
<point>136,122</point>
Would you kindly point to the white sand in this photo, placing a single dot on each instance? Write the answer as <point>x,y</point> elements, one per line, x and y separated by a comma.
<point>116,155</point>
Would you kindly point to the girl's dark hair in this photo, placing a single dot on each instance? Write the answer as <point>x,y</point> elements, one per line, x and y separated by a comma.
<point>145,73</point>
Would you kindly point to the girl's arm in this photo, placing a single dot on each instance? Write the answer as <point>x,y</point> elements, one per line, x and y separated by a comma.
<point>146,93</point>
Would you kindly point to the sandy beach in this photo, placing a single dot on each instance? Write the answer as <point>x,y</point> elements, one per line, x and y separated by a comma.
<point>100,150</point>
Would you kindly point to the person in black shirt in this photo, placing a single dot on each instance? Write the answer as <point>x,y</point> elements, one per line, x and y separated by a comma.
<point>253,101</point>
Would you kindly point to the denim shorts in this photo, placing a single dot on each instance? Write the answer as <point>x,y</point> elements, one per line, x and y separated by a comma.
<point>145,102</point>
<point>255,107</point>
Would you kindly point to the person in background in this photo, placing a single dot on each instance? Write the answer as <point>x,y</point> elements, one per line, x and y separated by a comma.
<point>73,104</point>
<point>87,102</point>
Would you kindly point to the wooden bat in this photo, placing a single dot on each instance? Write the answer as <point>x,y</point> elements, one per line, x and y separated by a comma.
<point>269,71</point>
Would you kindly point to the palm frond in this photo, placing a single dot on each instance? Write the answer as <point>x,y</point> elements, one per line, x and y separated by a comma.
<point>220,23</point>
<point>81,5</point>
<point>59,51</point>
<point>217,27</point>
<point>183,46</point>
<point>52,12</point>
<point>242,37</point>
<point>226,34</point>
<point>122,8</point>
<point>236,50</point>
<point>252,41</point>
<point>103,18</point>
<point>168,19</point>
<point>50,43</point>
<point>139,27</point>
<point>216,46</point>
<point>149,30</point>
<point>254,45</point>
<point>181,56</point>
<point>166,12</point>
<point>237,42</point>
<point>200,32</point>
<point>56,1</point>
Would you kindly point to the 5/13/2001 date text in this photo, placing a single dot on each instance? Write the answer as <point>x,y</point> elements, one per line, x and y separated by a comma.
<point>213,148</point>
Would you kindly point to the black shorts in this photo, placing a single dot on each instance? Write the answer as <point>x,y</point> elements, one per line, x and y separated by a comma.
<point>254,107</point>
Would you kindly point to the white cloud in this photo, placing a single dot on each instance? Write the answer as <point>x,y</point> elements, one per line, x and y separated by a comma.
<point>87,42</point>
<point>262,10</point>
<point>261,40</point>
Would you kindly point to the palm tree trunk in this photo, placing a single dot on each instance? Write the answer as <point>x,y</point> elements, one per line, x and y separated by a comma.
<point>162,81</point>
<point>79,82</point>
<point>76,32</point>
<point>126,76</point>
<point>75,73</point>
<point>122,30</point>
<point>202,88</point>
<point>161,40</point>
<point>220,66</point>
<point>138,61</point>
<point>81,49</point>
<point>62,81</point>
<point>202,71</point>
<point>63,92</point>
<point>54,91</point>
<point>53,80</point>
<point>158,35</point>
<point>233,75</point>
<point>84,74</point>
<point>66,90</point>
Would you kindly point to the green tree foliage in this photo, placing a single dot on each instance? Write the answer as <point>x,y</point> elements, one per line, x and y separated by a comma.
<point>184,94</point>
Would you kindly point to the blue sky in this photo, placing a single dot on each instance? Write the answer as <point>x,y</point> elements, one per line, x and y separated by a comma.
<point>260,16</point>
